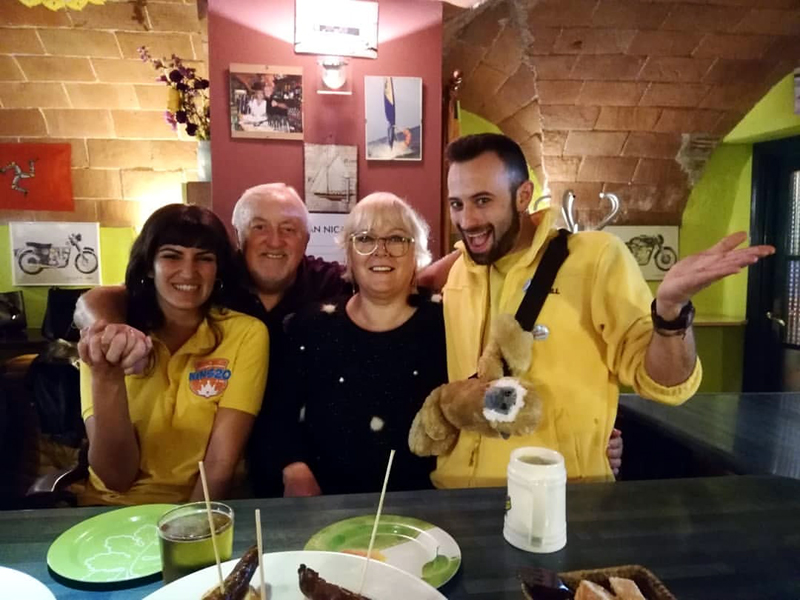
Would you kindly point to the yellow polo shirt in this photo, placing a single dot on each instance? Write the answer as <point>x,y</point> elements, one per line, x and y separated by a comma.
<point>174,405</point>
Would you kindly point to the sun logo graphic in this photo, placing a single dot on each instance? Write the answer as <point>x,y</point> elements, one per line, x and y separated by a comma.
<point>210,377</point>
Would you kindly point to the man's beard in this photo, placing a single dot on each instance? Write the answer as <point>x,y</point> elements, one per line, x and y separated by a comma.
<point>270,284</point>
<point>500,247</point>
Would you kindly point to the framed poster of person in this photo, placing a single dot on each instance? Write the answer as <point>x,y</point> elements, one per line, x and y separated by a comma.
<point>393,107</point>
<point>266,101</point>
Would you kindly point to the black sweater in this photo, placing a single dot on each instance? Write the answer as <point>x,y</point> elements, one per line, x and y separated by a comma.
<point>352,394</point>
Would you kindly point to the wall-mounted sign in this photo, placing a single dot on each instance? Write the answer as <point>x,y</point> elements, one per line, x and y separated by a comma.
<point>325,229</point>
<point>57,253</point>
<point>655,247</point>
<point>266,101</point>
<point>336,27</point>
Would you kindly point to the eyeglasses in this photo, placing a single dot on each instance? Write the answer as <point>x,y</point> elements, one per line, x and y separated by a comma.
<point>395,245</point>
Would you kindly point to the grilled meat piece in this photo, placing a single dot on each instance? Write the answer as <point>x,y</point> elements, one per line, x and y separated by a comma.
<point>237,584</point>
<point>315,587</point>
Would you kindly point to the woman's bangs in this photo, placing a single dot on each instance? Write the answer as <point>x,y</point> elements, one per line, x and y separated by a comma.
<point>390,216</point>
<point>190,234</point>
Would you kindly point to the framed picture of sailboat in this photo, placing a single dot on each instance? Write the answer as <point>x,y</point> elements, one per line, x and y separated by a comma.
<point>331,178</point>
<point>393,107</point>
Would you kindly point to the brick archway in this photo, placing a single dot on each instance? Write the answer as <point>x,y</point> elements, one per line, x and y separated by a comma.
<point>623,96</point>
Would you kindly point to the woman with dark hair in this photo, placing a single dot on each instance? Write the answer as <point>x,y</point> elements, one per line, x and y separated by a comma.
<point>199,395</point>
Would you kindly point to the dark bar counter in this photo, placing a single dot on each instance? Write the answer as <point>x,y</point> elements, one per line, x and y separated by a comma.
<point>739,433</point>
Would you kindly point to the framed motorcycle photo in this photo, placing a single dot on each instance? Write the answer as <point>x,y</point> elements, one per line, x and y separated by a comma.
<point>655,247</point>
<point>55,253</point>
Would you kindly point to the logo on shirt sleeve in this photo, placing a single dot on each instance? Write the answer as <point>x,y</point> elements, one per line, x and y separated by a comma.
<point>210,377</point>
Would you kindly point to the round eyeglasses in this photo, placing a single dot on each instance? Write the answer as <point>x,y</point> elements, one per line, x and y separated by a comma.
<point>395,245</point>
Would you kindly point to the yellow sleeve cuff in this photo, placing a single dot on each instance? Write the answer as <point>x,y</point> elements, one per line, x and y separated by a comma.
<point>646,387</point>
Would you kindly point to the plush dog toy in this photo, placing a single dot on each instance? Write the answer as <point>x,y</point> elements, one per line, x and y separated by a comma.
<point>493,405</point>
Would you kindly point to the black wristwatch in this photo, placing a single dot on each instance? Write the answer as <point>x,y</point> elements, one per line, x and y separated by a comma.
<point>680,324</point>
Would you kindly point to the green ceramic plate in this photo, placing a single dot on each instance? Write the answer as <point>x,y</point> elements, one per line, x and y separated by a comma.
<point>120,545</point>
<point>414,546</point>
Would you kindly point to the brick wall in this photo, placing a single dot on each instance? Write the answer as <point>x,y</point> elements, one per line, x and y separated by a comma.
<point>75,77</point>
<point>617,95</point>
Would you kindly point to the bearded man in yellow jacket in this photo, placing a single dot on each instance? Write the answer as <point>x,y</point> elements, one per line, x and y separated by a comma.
<point>598,313</point>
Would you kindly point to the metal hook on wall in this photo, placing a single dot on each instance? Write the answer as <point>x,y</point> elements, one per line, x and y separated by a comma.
<point>612,198</point>
<point>568,210</point>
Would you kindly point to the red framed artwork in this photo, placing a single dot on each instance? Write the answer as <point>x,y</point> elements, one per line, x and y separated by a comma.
<point>36,177</point>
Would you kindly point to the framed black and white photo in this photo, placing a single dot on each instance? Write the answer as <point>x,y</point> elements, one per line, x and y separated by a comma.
<point>393,107</point>
<point>655,247</point>
<point>336,27</point>
<point>331,178</point>
<point>266,101</point>
<point>55,253</point>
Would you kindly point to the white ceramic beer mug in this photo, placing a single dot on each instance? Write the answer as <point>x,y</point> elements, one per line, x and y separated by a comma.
<point>536,509</point>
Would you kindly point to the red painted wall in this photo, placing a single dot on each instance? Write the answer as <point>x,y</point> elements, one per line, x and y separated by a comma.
<point>262,32</point>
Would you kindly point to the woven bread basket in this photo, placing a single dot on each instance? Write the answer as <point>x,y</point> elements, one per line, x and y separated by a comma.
<point>649,584</point>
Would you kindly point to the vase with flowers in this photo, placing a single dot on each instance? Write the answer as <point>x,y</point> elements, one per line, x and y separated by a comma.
<point>187,104</point>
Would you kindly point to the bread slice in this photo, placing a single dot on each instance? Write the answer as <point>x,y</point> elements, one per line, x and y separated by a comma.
<point>591,591</point>
<point>625,589</point>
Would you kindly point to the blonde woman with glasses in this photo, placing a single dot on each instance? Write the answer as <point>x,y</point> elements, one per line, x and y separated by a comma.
<point>363,366</point>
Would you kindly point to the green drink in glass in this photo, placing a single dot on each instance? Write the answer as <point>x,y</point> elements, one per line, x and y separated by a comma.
<point>185,538</point>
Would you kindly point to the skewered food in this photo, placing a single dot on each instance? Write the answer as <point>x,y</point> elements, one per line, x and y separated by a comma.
<point>315,587</point>
<point>237,584</point>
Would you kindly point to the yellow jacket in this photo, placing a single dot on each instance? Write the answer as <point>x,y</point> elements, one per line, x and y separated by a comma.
<point>173,406</point>
<point>598,314</point>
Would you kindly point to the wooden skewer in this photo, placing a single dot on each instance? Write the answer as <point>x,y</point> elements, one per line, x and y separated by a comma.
<point>211,526</point>
<point>263,587</point>
<point>377,520</point>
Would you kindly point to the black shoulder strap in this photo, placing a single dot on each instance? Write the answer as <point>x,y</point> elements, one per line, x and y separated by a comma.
<point>539,286</point>
<point>554,256</point>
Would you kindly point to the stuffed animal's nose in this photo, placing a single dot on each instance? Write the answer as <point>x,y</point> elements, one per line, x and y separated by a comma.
<point>499,399</point>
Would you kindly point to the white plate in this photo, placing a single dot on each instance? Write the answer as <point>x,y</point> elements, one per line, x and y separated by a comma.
<point>16,584</point>
<point>384,582</point>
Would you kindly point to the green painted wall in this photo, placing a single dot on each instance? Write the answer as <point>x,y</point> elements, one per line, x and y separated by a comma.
<point>720,204</point>
<point>771,119</point>
<point>115,245</point>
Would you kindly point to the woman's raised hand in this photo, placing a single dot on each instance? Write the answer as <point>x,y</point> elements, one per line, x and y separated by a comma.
<point>114,345</point>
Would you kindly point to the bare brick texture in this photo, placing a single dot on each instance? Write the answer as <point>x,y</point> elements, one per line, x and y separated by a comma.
<point>9,71</point>
<point>624,118</point>
<point>594,143</point>
<point>22,121</point>
<point>56,68</point>
<point>79,123</point>
<point>19,41</point>
<point>606,168</point>
<point>72,42</point>
<point>173,16</point>
<point>101,95</point>
<point>33,95</point>
<point>142,124</point>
